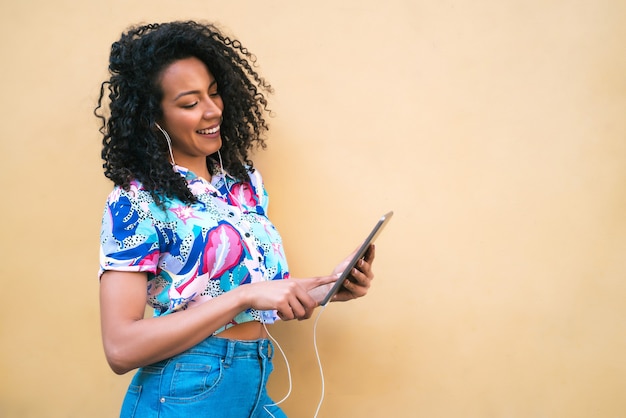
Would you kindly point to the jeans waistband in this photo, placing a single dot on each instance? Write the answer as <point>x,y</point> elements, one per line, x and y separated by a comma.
<point>229,349</point>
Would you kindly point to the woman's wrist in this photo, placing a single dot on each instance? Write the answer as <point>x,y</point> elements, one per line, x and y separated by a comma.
<point>242,296</point>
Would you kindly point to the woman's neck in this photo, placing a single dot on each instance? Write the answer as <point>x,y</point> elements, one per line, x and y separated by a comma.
<point>199,168</point>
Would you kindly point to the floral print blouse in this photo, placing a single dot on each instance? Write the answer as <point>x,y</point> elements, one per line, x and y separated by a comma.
<point>193,253</point>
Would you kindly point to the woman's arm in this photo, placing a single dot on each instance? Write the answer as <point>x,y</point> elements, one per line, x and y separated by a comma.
<point>132,341</point>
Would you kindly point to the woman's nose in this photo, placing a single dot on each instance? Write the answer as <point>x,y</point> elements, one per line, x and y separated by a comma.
<point>213,109</point>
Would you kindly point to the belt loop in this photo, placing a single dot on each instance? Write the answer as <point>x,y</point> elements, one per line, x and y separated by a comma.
<point>230,351</point>
<point>260,346</point>
<point>266,349</point>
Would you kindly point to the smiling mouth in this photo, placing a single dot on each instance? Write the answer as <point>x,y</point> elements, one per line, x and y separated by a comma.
<point>209,131</point>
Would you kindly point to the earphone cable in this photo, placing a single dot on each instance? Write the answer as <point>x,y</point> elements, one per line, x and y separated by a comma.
<point>288,372</point>
<point>319,361</point>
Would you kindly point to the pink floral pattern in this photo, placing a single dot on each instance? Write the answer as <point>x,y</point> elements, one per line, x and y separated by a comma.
<point>194,253</point>
<point>223,251</point>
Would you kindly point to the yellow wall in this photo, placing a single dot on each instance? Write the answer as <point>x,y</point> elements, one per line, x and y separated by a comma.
<point>495,129</point>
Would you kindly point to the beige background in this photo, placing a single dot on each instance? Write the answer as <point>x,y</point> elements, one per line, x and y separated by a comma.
<point>495,130</point>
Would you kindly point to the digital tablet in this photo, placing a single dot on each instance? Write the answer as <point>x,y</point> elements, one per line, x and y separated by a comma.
<point>357,256</point>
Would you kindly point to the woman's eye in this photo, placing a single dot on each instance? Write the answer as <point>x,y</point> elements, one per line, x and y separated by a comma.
<point>214,94</point>
<point>189,106</point>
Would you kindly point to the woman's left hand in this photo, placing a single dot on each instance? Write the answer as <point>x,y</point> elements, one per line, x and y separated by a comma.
<point>360,278</point>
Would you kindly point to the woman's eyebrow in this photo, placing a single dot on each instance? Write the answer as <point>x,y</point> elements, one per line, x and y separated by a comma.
<point>185,93</point>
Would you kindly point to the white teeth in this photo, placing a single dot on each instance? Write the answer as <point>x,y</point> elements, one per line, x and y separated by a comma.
<point>209,131</point>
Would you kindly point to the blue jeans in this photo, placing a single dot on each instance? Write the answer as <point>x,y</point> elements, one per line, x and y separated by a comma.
<point>216,378</point>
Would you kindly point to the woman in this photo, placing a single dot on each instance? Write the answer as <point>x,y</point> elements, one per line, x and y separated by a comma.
<point>185,228</point>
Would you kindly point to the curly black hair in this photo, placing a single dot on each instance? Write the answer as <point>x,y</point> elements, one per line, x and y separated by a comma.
<point>132,147</point>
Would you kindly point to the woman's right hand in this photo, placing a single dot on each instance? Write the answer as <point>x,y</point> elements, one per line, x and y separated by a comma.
<point>290,298</point>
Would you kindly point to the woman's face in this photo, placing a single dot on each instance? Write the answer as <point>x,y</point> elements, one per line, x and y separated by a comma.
<point>192,111</point>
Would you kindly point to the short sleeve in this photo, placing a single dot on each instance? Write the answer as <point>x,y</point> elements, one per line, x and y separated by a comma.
<point>128,238</point>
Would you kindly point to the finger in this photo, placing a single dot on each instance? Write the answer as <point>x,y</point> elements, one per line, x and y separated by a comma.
<point>302,304</point>
<point>309,304</point>
<point>301,311</point>
<point>286,314</point>
<point>357,289</point>
<point>366,268</point>
<point>298,311</point>
<point>363,267</point>
<point>312,283</point>
<point>361,278</point>
<point>362,272</point>
<point>349,290</point>
<point>286,308</point>
<point>370,254</point>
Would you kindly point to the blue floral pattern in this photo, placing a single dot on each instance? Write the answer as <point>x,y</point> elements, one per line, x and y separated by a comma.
<point>193,253</point>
